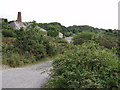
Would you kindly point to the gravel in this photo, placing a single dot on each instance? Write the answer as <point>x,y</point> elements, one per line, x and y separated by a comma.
<point>4,67</point>
<point>33,76</point>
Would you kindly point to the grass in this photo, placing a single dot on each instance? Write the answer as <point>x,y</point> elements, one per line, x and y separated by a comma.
<point>0,61</point>
<point>14,56</point>
<point>0,21</point>
<point>17,58</point>
<point>43,60</point>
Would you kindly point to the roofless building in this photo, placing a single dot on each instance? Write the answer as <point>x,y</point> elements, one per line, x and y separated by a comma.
<point>19,17</point>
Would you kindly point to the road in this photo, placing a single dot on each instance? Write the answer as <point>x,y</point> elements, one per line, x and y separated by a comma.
<point>33,76</point>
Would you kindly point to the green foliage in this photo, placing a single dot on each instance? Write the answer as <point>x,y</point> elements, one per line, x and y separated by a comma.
<point>68,34</point>
<point>8,33</point>
<point>31,46</point>
<point>68,31</point>
<point>87,66</point>
<point>83,37</point>
<point>11,55</point>
<point>63,46</point>
<point>51,26</point>
<point>53,33</point>
<point>32,42</point>
<point>104,39</point>
<point>5,24</point>
<point>77,29</point>
<point>108,41</point>
<point>16,59</point>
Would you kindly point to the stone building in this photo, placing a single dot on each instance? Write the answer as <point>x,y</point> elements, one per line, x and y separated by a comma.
<point>60,35</point>
<point>18,23</point>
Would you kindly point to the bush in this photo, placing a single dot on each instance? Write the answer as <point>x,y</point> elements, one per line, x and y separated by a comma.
<point>68,34</point>
<point>105,40</point>
<point>88,66</point>
<point>31,46</point>
<point>83,37</point>
<point>108,41</point>
<point>61,40</point>
<point>51,46</point>
<point>13,60</point>
<point>8,33</point>
<point>53,33</point>
<point>64,46</point>
<point>40,51</point>
<point>27,47</point>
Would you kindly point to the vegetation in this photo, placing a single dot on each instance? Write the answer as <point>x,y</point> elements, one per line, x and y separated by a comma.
<point>82,37</point>
<point>87,66</point>
<point>71,30</point>
<point>103,39</point>
<point>53,33</point>
<point>93,64</point>
<point>91,61</point>
<point>30,46</point>
<point>21,47</point>
<point>8,33</point>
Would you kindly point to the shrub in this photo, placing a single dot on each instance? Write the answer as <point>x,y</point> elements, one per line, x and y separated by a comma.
<point>31,46</point>
<point>15,58</point>
<point>68,34</point>
<point>40,51</point>
<point>83,37</point>
<point>8,33</point>
<point>53,33</point>
<point>105,40</point>
<point>32,42</point>
<point>51,46</point>
<point>12,60</point>
<point>108,41</point>
<point>88,66</point>
<point>61,40</point>
<point>64,46</point>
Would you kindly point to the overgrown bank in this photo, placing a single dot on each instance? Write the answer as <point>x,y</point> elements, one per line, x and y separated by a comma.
<point>87,66</point>
<point>91,61</point>
<point>30,46</point>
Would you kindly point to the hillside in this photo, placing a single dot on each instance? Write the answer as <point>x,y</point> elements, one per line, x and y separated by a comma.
<point>91,60</point>
<point>69,31</point>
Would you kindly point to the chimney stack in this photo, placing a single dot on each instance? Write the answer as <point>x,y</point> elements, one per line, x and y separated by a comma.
<point>19,18</point>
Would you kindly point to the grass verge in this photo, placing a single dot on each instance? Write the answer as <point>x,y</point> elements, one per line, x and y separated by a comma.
<point>43,60</point>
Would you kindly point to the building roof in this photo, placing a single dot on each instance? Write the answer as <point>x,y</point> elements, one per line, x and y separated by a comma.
<point>17,25</point>
<point>36,27</point>
<point>43,30</point>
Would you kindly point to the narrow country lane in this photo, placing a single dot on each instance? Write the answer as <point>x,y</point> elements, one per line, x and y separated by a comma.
<point>33,76</point>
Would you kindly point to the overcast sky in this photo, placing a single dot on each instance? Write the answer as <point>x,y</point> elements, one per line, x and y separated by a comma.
<point>96,13</point>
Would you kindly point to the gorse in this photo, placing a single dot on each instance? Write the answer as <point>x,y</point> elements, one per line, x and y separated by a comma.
<point>31,46</point>
<point>87,66</point>
<point>91,61</point>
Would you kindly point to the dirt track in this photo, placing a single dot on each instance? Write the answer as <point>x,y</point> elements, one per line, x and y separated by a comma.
<point>33,76</point>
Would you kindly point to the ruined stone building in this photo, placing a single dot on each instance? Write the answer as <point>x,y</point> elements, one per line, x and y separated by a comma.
<point>16,25</point>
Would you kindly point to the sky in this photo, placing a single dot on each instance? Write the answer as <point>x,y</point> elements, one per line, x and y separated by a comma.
<point>96,13</point>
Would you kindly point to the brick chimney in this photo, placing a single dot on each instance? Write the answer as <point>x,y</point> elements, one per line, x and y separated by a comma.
<point>19,17</point>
